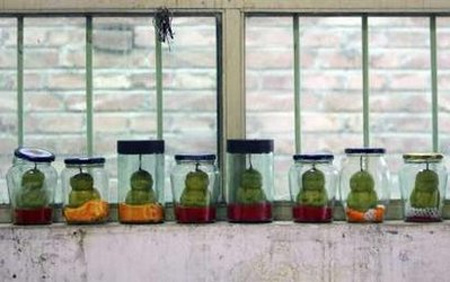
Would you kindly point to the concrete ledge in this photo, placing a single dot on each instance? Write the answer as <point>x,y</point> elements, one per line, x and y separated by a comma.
<point>280,251</point>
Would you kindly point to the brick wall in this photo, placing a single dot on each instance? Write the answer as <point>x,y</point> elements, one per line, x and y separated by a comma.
<point>125,96</point>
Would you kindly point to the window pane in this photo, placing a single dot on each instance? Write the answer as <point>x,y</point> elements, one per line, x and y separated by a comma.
<point>331,84</point>
<point>190,90</point>
<point>124,86</point>
<point>54,83</point>
<point>8,98</point>
<point>400,88</point>
<point>269,90</point>
<point>443,60</point>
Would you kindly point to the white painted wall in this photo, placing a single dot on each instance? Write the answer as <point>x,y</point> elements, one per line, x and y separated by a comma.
<point>227,252</point>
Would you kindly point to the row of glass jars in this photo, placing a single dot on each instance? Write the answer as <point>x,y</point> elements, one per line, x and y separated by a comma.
<point>363,181</point>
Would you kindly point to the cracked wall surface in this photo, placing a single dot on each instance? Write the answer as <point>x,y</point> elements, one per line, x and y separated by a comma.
<point>226,252</point>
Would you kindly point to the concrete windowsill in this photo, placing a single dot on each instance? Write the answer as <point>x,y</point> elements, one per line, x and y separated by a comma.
<point>279,251</point>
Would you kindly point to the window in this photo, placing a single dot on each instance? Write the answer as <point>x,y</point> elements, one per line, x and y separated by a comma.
<point>300,73</point>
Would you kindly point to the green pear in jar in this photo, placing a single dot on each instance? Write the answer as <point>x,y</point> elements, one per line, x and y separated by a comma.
<point>83,190</point>
<point>32,195</point>
<point>313,192</point>
<point>195,192</point>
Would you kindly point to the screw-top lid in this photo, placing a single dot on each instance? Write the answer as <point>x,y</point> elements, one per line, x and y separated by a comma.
<point>84,160</point>
<point>423,157</point>
<point>34,155</point>
<point>255,146</point>
<point>313,157</point>
<point>195,157</point>
<point>133,147</point>
<point>365,150</point>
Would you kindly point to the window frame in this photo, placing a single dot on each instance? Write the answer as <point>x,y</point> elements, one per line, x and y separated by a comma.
<point>230,22</point>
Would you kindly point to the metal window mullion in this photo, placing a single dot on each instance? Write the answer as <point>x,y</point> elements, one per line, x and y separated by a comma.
<point>89,89</point>
<point>234,73</point>
<point>20,106</point>
<point>365,76</point>
<point>297,100</point>
<point>434,83</point>
<point>159,86</point>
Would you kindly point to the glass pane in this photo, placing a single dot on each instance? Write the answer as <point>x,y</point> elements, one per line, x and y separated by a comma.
<point>8,98</point>
<point>124,86</point>
<point>331,84</point>
<point>400,88</point>
<point>54,83</point>
<point>443,59</point>
<point>190,89</point>
<point>269,90</point>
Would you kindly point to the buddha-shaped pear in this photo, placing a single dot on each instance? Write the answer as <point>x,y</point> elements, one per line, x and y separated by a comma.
<point>426,190</point>
<point>362,196</point>
<point>250,190</point>
<point>83,190</point>
<point>196,193</point>
<point>313,192</point>
<point>32,194</point>
<point>141,191</point>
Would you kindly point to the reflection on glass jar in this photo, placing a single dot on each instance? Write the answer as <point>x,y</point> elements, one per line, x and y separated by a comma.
<point>195,181</point>
<point>85,190</point>
<point>364,184</point>
<point>249,185</point>
<point>423,181</point>
<point>141,181</point>
<point>31,185</point>
<point>312,181</point>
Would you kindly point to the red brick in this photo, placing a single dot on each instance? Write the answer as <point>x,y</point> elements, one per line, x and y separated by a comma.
<point>120,102</point>
<point>111,81</point>
<point>67,81</point>
<point>42,101</point>
<point>143,123</point>
<point>204,101</point>
<point>266,59</point>
<point>115,39</point>
<point>42,58</point>
<point>110,123</point>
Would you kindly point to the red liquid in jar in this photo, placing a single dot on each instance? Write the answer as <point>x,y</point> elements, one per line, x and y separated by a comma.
<point>250,213</point>
<point>422,219</point>
<point>33,216</point>
<point>195,214</point>
<point>312,214</point>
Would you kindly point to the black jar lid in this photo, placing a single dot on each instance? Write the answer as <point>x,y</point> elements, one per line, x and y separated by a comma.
<point>245,146</point>
<point>138,147</point>
<point>34,155</point>
<point>365,150</point>
<point>195,157</point>
<point>84,161</point>
<point>313,157</point>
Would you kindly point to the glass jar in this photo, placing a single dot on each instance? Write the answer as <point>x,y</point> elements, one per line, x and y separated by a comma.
<point>141,181</point>
<point>423,182</point>
<point>364,184</point>
<point>85,190</point>
<point>195,190</point>
<point>313,182</point>
<point>31,184</point>
<point>250,181</point>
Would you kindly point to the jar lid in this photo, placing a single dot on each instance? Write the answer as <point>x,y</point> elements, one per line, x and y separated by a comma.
<point>133,147</point>
<point>195,157</point>
<point>84,160</point>
<point>34,155</point>
<point>365,150</point>
<point>431,157</point>
<point>313,157</point>
<point>244,146</point>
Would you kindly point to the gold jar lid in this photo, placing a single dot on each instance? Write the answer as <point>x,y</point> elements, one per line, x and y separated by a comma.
<point>423,157</point>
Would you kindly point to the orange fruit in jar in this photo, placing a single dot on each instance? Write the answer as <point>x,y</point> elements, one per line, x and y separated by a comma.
<point>90,211</point>
<point>141,213</point>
